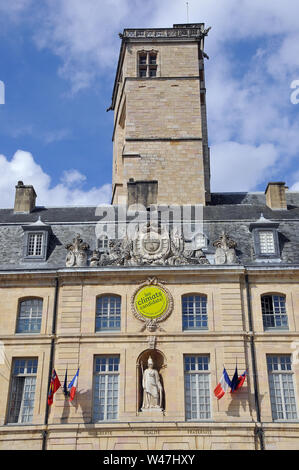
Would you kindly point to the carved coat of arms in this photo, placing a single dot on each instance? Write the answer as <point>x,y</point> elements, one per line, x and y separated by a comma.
<point>151,244</point>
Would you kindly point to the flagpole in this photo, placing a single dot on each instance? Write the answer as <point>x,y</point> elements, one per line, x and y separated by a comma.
<point>51,361</point>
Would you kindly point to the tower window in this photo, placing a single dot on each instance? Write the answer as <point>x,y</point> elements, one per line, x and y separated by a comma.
<point>152,72</point>
<point>147,64</point>
<point>142,59</point>
<point>153,59</point>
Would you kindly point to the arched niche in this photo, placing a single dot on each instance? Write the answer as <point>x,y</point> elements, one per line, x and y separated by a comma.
<point>141,364</point>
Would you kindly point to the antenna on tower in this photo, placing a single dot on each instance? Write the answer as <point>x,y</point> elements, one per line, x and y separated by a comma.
<point>187,6</point>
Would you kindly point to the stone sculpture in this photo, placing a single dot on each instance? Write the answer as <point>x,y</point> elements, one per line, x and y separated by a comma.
<point>151,245</point>
<point>152,388</point>
<point>77,253</point>
<point>225,250</point>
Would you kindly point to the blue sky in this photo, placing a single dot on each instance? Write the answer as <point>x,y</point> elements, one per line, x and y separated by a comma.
<point>58,60</point>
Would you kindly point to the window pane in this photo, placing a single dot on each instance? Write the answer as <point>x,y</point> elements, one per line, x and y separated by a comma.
<point>30,316</point>
<point>153,59</point>
<point>194,312</point>
<point>103,243</point>
<point>274,312</point>
<point>152,72</point>
<point>108,313</point>
<point>106,385</point>
<point>142,72</point>
<point>22,392</point>
<point>197,388</point>
<point>267,242</point>
<point>35,244</point>
<point>282,393</point>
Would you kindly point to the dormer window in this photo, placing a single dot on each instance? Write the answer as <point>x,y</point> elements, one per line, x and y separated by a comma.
<point>36,238</point>
<point>267,243</point>
<point>147,64</point>
<point>35,244</point>
<point>265,237</point>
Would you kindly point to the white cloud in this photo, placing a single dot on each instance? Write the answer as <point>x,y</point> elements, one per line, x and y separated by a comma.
<point>47,137</point>
<point>85,35</point>
<point>240,167</point>
<point>71,177</point>
<point>248,97</point>
<point>68,192</point>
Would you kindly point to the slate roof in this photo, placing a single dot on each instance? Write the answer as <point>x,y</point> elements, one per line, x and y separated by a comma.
<point>231,212</point>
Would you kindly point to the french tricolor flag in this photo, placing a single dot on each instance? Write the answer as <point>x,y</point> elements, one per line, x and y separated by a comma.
<point>223,385</point>
<point>73,386</point>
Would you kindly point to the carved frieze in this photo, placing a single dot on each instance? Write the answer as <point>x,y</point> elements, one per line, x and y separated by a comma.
<point>150,245</point>
<point>180,31</point>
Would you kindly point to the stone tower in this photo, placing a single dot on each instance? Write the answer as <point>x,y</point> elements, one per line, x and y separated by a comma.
<point>160,141</point>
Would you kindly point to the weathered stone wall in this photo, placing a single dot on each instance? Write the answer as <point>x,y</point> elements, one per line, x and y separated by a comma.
<point>161,137</point>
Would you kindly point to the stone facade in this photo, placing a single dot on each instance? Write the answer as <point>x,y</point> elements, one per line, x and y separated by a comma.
<point>160,137</point>
<point>71,425</point>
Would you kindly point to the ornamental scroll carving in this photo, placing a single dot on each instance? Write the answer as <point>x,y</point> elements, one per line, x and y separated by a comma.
<point>149,245</point>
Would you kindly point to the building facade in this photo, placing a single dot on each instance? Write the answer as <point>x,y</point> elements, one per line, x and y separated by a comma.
<point>152,296</point>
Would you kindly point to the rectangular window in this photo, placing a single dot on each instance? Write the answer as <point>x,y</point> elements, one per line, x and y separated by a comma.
<point>106,388</point>
<point>147,64</point>
<point>153,59</point>
<point>35,244</point>
<point>30,316</point>
<point>21,402</point>
<point>197,388</point>
<point>152,72</point>
<point>267,245</point>
<point>142,59</point>
<point>194,310</point>
<point>108,313</point>
<point>281,385</point>
<point>274,312</point>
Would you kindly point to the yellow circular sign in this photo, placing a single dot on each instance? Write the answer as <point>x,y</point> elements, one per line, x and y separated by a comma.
<point>151,301</point>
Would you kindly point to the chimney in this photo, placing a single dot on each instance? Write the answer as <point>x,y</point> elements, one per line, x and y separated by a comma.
<point>25,198</point>
<point>276,196</point>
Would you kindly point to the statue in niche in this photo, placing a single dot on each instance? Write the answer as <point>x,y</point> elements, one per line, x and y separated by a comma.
<point>152,388</point>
